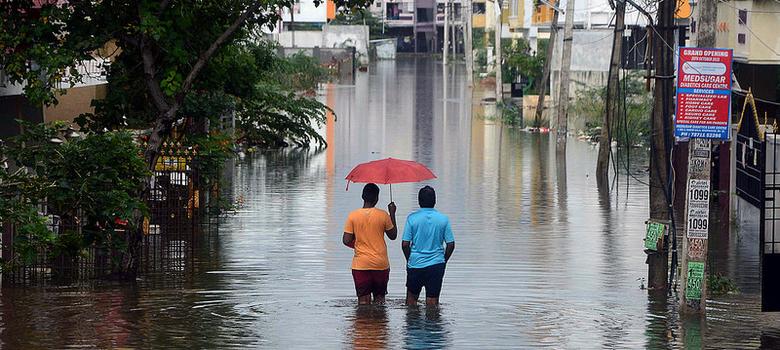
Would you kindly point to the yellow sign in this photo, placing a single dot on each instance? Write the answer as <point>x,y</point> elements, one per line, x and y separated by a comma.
<point>169,163</point>
<point>683,9</point>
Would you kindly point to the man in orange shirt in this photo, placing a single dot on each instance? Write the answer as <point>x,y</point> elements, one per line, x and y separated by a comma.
<point>365,231</point>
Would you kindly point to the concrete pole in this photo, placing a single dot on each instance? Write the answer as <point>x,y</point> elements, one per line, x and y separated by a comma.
<point>499,81</point>
<point>563,96</point>
<point>445,46</point>
<point>292,24</point>
<point>467,50</point>
<point>694,269</point>
<point>453,33</point>
<point>546,71</point>
<point>613,98</point>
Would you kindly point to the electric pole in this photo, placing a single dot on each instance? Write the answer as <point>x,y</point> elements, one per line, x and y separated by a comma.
<point>292,24</point>
<point>445,47</point>
<point>547,65</point>
<point>498,66</point>
<point>661,128</point>
<point>563,96</point>
<point>613,87</point>
<point>467,50</point>
<point>695,249</point>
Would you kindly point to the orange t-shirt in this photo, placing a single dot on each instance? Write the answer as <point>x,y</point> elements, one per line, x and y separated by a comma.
<point>369,226</point>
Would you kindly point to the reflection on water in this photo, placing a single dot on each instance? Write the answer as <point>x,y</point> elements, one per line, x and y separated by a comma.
<point>544,259</point>
<point>370,327</point>
<point>425,328</point>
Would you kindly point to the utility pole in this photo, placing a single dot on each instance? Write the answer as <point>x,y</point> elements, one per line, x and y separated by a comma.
<point>467,50</point>
<point>453,33</point>
<point>445,47</point>
<point>694,269</point>
<point>661,128</point>
<point>613,87</point>
<point>498,66</point>
<point>563,96</point>
<point>292,24</point>
<point>546,71</point>
<point>708,17</point>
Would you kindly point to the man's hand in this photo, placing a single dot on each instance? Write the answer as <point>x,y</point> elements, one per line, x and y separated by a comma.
<point>391,208</point>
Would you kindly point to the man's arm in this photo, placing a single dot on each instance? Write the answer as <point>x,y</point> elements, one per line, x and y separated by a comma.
<point>406,246</point>
<point>348,239</point>
<point>448,251</point>
<point>393,232</point>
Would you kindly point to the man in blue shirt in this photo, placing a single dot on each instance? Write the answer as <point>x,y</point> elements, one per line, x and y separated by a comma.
<point>425,234</point>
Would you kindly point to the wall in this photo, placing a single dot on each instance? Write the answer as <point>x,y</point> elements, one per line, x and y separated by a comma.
<point>331,36</point>
<point>761,44</point>
<point>348,36</point>
<point>302,38</point>
<point>74,103</point>
<point>588,70</point>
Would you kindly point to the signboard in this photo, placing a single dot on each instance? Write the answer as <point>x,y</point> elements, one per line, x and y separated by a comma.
<point>698,208</point>
<point>703,93</point>
<point>654,236</point>
<point>697,247</point>
<point>695,279</point>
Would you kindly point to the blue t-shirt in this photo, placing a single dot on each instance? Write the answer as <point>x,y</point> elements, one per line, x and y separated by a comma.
<point>427,230</point>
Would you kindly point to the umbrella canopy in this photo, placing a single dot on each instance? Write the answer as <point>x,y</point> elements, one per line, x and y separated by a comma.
<point>389,171</point>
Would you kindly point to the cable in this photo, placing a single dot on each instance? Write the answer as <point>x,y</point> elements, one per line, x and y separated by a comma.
<point>744,93</point>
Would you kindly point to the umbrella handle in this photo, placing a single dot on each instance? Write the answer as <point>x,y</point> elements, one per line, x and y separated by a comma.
<point>391,193</point>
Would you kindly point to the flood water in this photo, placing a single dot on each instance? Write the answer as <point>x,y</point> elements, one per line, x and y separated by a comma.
<point>542,259</point>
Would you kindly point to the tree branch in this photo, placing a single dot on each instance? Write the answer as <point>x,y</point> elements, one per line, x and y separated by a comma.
<point>204,57</point>
<point>149,76</point>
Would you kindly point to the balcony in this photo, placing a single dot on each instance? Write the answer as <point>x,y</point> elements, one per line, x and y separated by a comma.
<point>93,72</point>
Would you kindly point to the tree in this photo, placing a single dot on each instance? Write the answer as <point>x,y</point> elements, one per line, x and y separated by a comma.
<point>168,43</point>
<point>172,63</point>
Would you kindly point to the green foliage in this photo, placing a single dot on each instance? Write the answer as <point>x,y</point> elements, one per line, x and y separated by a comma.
<point>632,127</point>
<point>510,113</point>
<point>160,45</point>
<point>362,17</point>
<point>91,181</point>
<point>721,285</point>
<point>519,60</point>
<point>478,38</point>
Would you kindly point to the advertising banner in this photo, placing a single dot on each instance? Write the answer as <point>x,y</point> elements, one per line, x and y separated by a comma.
<point>703,93</point>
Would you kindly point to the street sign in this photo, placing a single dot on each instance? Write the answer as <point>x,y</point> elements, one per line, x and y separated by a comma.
<point>654,236</point>
<point>695,280</point>
<point>698,208</point>
<point>703,93</point>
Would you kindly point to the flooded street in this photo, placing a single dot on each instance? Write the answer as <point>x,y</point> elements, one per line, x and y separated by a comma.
<point>542,259</point>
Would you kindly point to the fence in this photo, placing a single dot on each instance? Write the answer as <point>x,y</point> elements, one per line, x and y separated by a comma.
<point>45,265</point>
<point>175,212</point>
<point>178,219</point>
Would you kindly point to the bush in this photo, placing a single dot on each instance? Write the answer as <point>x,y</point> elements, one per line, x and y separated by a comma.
<point>632,125</point>
<point>93,182</point>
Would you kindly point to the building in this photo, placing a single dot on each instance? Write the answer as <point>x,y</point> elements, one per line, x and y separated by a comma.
<point>72,102</point>
<point>749,27</point>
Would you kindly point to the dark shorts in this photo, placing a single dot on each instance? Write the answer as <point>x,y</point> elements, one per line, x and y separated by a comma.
<point>429,277</point>
<point>371,282</point>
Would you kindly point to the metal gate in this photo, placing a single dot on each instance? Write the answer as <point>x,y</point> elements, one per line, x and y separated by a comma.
<point>758,183</point>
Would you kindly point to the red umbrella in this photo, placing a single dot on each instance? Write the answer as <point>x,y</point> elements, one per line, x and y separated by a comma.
<point>389,171</point>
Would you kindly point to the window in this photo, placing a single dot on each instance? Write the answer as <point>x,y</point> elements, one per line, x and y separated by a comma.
<point>741,38</point>
<point>478,8</point>
<point>743,17</point>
